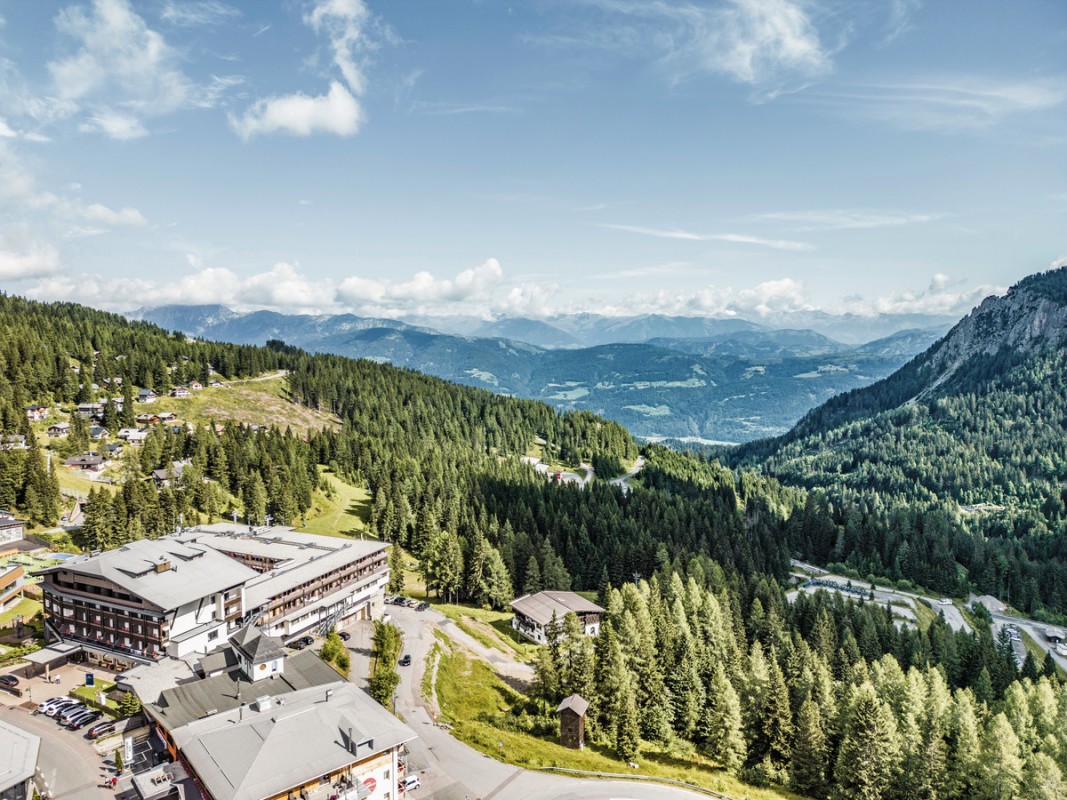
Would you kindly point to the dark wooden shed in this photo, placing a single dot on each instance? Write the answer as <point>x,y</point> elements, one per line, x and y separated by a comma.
<point>572,721</point>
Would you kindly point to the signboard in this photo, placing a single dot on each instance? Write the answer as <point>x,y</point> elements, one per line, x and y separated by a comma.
<point>127,751</point>
<point>90,679</point>
<point>370,783</point>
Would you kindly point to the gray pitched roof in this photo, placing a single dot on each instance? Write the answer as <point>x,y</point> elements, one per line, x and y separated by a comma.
<point>257,646</point>
<point>18,755</point>
<point>185,704</point>
<point>541,606</point>
<point>250,754</point>
<point>576,703</point>
<point>195,571</point>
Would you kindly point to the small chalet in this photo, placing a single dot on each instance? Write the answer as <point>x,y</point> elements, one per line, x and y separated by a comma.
<point>88,410</point>
<point>87,462</point>
<point>96,433</point>
<point>15,441</point>
<point>59,429</point>
<point>114,450</point>
<point>166,416</point>
<point>196,386</point>
<point>162,477</point>
<point>12,533</point>
<point>180,392</point>
<point>148,419</point>
<point>215,384</point>
<point>146,396</point>
<point>36,413</point>
<point>534,613</point>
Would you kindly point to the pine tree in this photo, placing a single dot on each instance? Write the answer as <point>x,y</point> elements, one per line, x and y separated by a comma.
<point>867,757</point>
<point>720,724</point>
<point>627,733</point>
<point>807,769</point>
<point>396,570</point>
<point>129,705</point>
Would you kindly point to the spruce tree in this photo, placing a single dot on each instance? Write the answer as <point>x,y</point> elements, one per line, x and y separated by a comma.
<point>720,724</point>
<point>807,769</point>
<point>396,570</point>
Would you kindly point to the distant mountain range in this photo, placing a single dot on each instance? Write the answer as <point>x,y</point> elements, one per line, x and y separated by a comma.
<point>713,379</point>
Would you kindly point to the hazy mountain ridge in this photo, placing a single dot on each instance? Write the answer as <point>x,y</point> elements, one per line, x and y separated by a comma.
<point>738,382</point>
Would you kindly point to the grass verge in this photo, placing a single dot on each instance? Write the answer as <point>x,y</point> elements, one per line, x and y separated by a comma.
<point>470,695</point>
<point>344,511</point>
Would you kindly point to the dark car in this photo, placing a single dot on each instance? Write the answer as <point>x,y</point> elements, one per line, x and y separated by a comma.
<point>84,719</point>
<point>101,729</point>
<point>345,636</point>
<point>10,681</point>
<point>405,660</point>
<point>422,606</point>
<point>301,643</point>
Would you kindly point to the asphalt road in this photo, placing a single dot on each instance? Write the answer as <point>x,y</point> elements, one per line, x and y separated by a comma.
<point>450,770</point>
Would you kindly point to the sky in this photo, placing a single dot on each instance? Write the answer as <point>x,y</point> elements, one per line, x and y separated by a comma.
<point>477,157</point>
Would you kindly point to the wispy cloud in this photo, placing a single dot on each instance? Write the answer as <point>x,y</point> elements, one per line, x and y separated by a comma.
<point>197,14</point>
<point>900,17</point>
<point>846,218</point>
<point>944,104</point>
<point>445,109</point>
<point>689,236</point>
<point>945,295</point>
<point>119,72</point>
<point>22,257</point>
<point>755,42</point>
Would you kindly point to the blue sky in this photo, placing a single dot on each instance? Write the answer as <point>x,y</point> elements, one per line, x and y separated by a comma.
<point>435,157</point>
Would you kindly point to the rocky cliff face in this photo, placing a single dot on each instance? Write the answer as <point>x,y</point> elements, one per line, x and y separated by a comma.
<point>1026,318</point>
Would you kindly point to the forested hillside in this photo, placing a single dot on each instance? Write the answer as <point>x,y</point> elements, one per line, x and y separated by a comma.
<point>700,647</point>
<point>958,458</point>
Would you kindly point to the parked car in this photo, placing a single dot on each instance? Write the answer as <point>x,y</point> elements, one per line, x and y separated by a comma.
<point>411,603</point>
<point>9,681</point>
<point>101,729</point>
<point>302,642</point>
<point>54,709</point>
<point>82,720</point>
<point>405,660</point>
<point>409,783</point>
<point>422,606</point>
<point>47,704</point>
<point>345,636</point>
<point>69,713</point>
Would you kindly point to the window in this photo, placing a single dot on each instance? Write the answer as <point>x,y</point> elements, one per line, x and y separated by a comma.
<point>212,635</point>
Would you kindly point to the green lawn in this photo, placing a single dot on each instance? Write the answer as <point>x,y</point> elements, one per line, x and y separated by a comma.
<point>345,513</point>
<point>470,694</point>
<point>25,608</point>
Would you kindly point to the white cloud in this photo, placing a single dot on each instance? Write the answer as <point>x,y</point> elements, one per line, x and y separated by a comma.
<point>345,25</point>
<point>945,295</point>
<point>22,257</point>
<point>195,14</point>
<point>127,217</point>
<point>423,289</point>
<point>737,238</point>
<point>284,287</point>
<point>756,42</point>
<point>947,104</point>
<point>847,218</point>
<point>342,21</point>
<point>336,112</point>
<point>114,124</point>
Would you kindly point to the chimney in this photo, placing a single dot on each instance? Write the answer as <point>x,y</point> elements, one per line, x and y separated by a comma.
<point>329,694</point>
<point>263,703</point>
<point>351,742</point>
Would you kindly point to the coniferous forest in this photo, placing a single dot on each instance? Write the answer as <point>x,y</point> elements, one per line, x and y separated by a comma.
<point>831,698</point>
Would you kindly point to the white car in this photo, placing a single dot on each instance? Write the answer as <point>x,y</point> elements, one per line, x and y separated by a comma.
<point>945,601</point>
